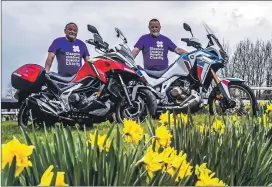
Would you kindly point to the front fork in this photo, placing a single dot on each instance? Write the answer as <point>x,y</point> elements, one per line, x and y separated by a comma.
<point>125,90</point>
<point>223,88</point>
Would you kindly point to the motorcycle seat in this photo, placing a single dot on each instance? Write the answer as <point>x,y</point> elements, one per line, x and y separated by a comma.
<point>56,77</point>
<point>154,74</point>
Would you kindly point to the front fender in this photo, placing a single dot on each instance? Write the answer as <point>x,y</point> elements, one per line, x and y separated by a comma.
<point>231,79</point>
<point>136,88</point>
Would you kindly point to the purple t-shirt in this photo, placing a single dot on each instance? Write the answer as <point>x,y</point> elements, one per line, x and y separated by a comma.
<point>69,55</point>
<point>155,50</point>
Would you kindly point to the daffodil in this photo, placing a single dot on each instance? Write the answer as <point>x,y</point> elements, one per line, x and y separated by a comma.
<point>163,136</point>
<point>205,177</point>
<point>263,120</point>
<point>202,169</point>
<point>48,176</point>
<point>208,181</point>
<point>203,128</point>
<point>262,103</point>
<point>218,126</point>
<point>60,179</point>
<point>269,108</point>
<point>167,156</point>
<point>165,117</point>
<point>21,151</point>
<point>152,161</point>
<point>184,118</point>
<point>132,131</point>
<point>100,141</point>
<point>235,120</point>
<point>180,162</point>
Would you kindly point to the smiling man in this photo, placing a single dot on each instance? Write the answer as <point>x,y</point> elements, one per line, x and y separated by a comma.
<point>155,47</point>
<point>69,52</point>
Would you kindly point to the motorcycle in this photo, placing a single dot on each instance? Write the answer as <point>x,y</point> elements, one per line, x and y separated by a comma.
<point>103,85</point>
<point>182,86</point>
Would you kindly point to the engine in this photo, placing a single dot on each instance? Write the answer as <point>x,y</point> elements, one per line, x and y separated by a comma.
<point>83,105</point>
<point>79,101</point>
<point>179,91</point>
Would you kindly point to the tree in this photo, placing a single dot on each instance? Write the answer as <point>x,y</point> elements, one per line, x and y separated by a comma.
<point>251,62</point>
<point>10,91</point>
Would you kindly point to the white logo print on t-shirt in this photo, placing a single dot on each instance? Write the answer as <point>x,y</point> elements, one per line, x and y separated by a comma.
<point>159,44</point>
<point>76,48</point>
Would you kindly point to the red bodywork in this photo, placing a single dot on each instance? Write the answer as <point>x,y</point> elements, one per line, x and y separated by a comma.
<point>29,72</point>
<point>199,72</point>
<point>102,66</point>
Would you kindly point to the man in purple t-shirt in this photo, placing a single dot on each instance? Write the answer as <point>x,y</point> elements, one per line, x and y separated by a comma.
<point>154,47</point>
<point>69,52</point>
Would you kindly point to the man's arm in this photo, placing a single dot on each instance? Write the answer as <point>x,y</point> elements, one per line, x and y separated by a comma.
<point>49,61</point>
<point>135,52</point>
<point>180,51</point>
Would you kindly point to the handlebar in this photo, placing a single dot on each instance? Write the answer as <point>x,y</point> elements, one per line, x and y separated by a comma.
<point>97,44</point>
<point>185,39</point>
<point>90,41</point>
<point>192,43</point>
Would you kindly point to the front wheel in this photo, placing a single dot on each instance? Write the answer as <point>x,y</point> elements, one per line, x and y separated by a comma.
<point>145,99</point>
<point>245,100</point>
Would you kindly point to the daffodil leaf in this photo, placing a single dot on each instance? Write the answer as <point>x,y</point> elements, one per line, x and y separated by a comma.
<point>11,172</point>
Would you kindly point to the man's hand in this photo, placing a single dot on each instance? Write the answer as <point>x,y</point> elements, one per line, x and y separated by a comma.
<point>86,58</point>
<point>135,52</point>
<point>180,51</point>
<point>49,61</point>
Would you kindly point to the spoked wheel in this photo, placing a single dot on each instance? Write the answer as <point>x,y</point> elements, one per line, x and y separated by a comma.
<point>145,99</point>
<point>243,97</point>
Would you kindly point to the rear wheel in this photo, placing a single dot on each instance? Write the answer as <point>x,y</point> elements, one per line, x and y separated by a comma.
<point>28,117</point>
<point>246,103</point>
<point>145,100</point>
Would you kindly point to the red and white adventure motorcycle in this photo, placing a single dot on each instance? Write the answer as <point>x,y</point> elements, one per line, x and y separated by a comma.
<point>104,85</point>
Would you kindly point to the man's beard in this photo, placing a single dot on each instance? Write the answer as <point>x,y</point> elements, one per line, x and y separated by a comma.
<point>156,34</point>
<point>71,36</point>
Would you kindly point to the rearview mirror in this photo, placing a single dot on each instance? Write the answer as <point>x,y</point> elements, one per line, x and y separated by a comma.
<point>92,29</point>
<point>98,38</point>
<point>187,28</point>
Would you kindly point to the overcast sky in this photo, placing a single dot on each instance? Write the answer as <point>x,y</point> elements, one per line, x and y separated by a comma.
<point>28,28</point>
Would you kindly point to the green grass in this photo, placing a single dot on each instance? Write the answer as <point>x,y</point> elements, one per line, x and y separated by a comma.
<point>11,128</point>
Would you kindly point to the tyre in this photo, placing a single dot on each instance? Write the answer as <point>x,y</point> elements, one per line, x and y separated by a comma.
<point>145,99</point>
<point>25,121</point>
<point>24,117</point>
<point>240,93</point>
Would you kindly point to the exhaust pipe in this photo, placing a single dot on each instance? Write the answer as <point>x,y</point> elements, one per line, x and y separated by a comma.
<point>43,107</point>
<point>193,102</point>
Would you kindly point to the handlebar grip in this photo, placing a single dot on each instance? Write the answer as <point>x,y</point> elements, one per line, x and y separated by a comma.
<point>90,41</point>
<point>185,39</point>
